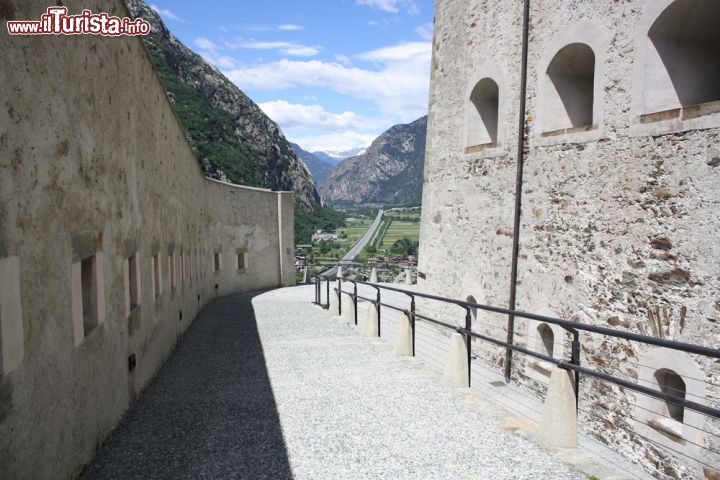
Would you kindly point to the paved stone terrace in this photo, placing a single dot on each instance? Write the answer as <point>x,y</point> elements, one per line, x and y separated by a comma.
<point>269,386</point>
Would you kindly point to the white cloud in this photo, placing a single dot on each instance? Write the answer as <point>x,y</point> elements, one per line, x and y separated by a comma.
<point>425,31</point>
<point>340,141</point>
<point>290,27</point>
<point>287,48</point>
<point>344,59</point>
<point>398,86</point>
<point>403,51</point>
<point>392,6</point>
<point>315,117</point>
<point>223,29</point>
<point>167,14</point>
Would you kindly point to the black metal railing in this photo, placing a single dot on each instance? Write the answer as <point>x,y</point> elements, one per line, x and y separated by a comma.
<point>670,396</point>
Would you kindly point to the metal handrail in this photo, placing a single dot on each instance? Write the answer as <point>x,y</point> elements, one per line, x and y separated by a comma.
<point>660,342</point>
<point>573,327</point>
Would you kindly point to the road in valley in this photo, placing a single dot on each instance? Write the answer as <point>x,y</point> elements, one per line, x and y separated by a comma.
<point>359,245</point>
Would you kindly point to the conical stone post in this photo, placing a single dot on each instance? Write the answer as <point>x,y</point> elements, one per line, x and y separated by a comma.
<point>558,427</point>
<point>456,368</point>
<point>348,310</point>
<point>403,337</point>
<point>373,275</point>
<point>334,303</point>
<point>408,277</point>
<point>371,322</point>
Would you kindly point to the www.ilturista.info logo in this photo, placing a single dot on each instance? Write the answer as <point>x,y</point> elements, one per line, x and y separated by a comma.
<point>57,22</point>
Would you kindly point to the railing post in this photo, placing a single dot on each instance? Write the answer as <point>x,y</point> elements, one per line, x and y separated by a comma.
<point>339,295</point>
<point>355,302</point>
<point>412,321</point>
<point>468,343</point>
<point>378,311</point>
<point>327,291</point>
<point>575,360</point>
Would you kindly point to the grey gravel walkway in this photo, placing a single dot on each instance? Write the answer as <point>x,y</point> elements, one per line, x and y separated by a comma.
<point>280,390</point>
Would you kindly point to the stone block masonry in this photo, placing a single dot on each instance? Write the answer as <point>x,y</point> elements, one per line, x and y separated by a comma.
<point>619,222</point>
<point>111,239</point>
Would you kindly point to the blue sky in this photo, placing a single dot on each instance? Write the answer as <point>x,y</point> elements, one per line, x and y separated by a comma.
<point>333,73</point>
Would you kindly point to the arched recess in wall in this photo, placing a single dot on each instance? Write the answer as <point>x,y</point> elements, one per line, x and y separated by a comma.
<point>570,88</point>
<point>672,384</point>
<point>675,373</point>
<point>682,66</point>
<point>483,122</point>
<point>547,337</point>
<point>570,102</point>
<point>484,109</point>
<point>473,311</point>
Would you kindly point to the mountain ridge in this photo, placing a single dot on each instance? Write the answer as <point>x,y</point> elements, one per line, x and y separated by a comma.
<point>233,138</point>
<point>318,167</point>
<point>389,172</point>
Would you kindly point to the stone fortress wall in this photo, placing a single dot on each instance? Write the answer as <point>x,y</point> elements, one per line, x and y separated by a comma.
<point>111,239</point>
<point>621,189</point>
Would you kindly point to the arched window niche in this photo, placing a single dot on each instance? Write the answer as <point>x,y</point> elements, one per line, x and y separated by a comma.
<point>570,102</point>
<point>473,311</point>
<point>484,111</point>
<point>677,67</point>
<point>672,384</point>
<point>483,122</point>
<point>569,91</point>
<point>545,339</point>
<point>674,373</point>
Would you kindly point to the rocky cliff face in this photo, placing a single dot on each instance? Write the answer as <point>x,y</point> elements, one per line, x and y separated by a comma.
<point>233,138</point>
<point>390,172</point>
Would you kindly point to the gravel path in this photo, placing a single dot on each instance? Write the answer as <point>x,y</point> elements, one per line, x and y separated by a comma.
<point>280,390</point>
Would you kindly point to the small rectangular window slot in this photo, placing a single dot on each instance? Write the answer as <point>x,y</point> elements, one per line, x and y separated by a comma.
<point>133,288</point>
<point>171,269</point>
<point>88,282</point>
<point>156,275</point>
<point>182,269</point>
<point>217,262</point>
<point>241,261</point>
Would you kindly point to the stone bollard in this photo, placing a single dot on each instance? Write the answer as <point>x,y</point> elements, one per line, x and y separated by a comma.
<point>408,277</point>
<point>403,337</point>
<point>371,322</point>
<point>305,275</point>
<point>373,275</point>
<point>339,272</point>
<point>334,303</point>
<point>558,427</point>
<point>348,310</point>
<point>456,368</point>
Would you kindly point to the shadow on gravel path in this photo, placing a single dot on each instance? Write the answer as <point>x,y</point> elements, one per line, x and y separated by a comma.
<point>209,414</point>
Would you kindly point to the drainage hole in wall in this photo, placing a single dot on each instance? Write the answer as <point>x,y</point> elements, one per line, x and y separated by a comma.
<point>131,362</point>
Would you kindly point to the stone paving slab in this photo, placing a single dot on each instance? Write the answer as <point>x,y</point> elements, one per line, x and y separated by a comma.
<point>270,386</point>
